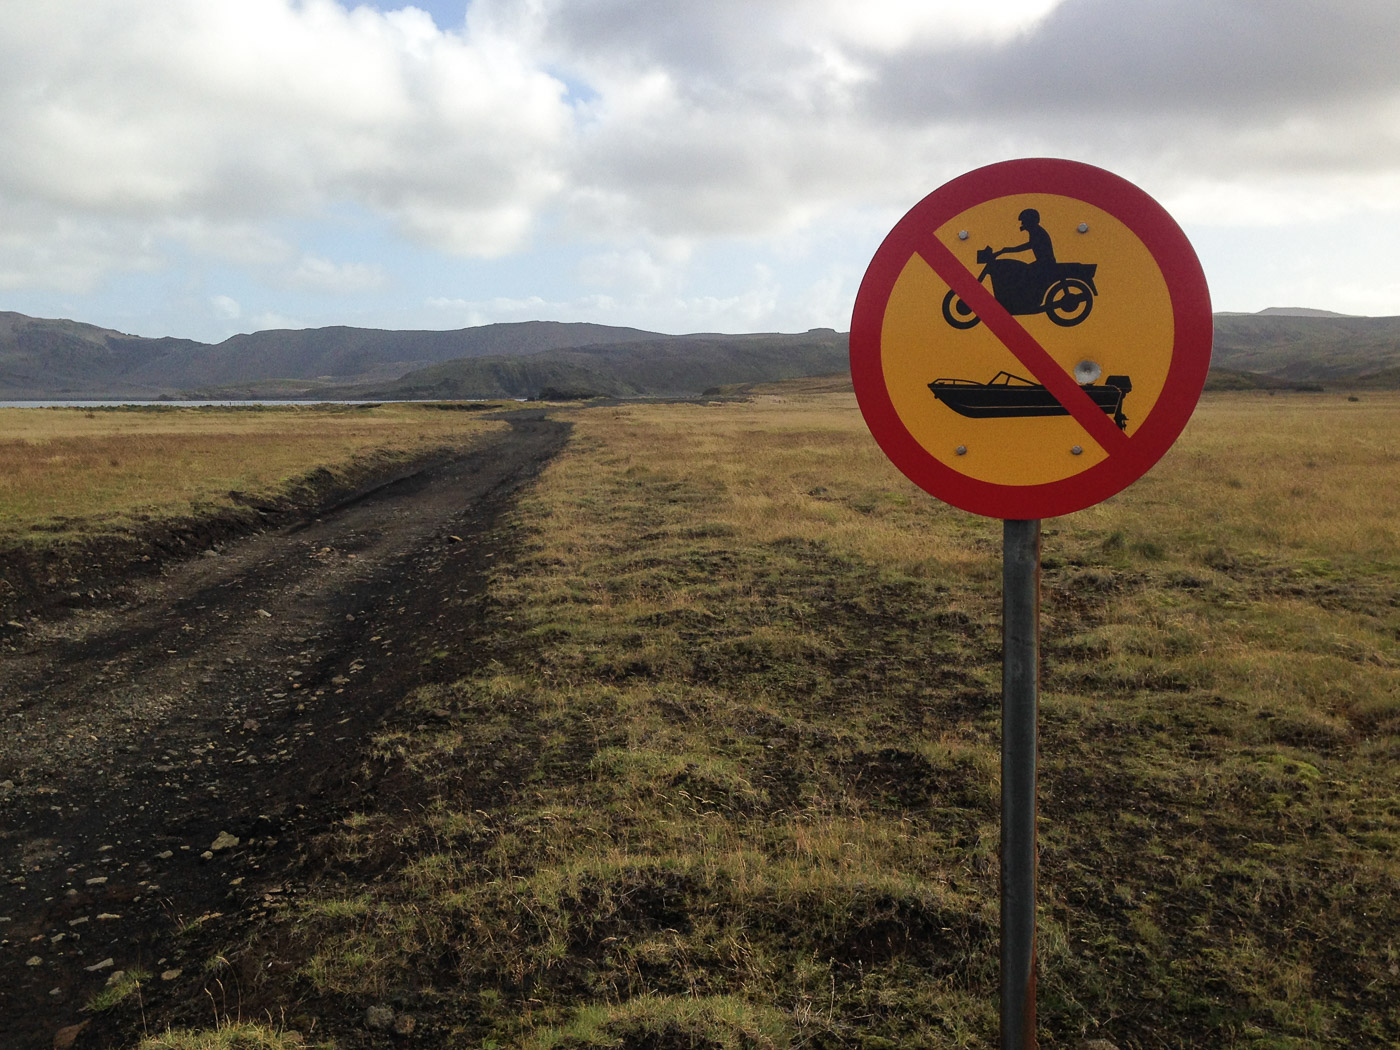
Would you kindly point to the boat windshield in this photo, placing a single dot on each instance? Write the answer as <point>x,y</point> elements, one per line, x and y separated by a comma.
<point>1000,379</point>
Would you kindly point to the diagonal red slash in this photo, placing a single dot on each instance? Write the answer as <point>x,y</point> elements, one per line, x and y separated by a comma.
<point>1043,368</point>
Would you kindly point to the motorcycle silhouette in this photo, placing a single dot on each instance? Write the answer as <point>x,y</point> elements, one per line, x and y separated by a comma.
<point>1064,292</point>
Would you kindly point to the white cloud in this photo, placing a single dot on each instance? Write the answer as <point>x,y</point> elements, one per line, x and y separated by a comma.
<point>1274,201</point>
<point>235,135</point>
<point>269,320</point>
<point>731,117</point>
<point>241,243</point>
<point>637,270</point>
<point>217,114</point>
<point>672,300</point>
<point>41,248</point>
<point>226,308</point>
<point>316,274</point>
<point>890,25</point>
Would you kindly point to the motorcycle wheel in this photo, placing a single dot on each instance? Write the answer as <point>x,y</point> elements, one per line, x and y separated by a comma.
<point>957,313</point>
<point>1068,302</point>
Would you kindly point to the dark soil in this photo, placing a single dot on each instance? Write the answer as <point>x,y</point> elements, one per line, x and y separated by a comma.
<point>171,742</point>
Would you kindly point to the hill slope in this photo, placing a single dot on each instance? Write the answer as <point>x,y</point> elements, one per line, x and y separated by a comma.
<point>343,354</point>
<point>42,358</point>
<point>664,366</point>
<point>1321,349</point>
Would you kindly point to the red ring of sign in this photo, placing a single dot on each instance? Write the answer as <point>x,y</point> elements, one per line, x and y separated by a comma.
<point>1186,375</point>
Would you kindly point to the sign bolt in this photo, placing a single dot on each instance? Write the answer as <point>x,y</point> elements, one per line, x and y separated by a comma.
<point>1076,451</point>
<point>1083,227</point>
<point>961,450</point>
<point>962,235</point>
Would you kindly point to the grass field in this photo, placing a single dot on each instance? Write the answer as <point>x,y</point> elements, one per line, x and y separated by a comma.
<point>730,777</point>
<point>71,473</point>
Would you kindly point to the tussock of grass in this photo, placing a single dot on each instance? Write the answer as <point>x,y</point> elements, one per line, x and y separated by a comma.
<point>731,779</point>
<point>227,1037</point>
<point>122,984</point>
<point>718,1022</point>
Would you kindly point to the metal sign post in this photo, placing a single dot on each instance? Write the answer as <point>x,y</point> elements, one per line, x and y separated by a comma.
<point>1020,685</point>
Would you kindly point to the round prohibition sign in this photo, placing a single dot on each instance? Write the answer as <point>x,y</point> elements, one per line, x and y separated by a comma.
<point>1039,378</point>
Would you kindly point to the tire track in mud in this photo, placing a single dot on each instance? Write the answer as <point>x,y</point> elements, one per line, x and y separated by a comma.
<point>164,760</point>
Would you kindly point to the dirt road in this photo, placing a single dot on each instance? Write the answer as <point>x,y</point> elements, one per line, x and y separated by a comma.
<point>166,755</point>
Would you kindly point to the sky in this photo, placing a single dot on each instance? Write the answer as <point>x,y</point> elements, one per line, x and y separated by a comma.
<point>199,168</point>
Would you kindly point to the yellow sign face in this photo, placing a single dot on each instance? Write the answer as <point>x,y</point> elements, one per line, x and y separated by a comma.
<point>943,370</point>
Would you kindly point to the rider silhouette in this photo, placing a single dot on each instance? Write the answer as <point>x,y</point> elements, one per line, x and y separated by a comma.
<point>1037,241</point>
<point>1019,281</point>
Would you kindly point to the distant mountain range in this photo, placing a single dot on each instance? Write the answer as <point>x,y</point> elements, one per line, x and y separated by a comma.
<point>67,359</point>
<point>57,359</point>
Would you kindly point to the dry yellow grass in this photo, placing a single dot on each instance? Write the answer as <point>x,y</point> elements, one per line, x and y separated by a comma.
<point>1312,476</point>
<point>72,471</point>
<point>1270,474</point>
<point>782,467</point>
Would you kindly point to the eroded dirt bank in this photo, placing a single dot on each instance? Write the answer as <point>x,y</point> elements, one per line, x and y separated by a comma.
<point>167,754</point>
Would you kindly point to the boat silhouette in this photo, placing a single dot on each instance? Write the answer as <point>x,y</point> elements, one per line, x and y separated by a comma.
<point>1009,396</point>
